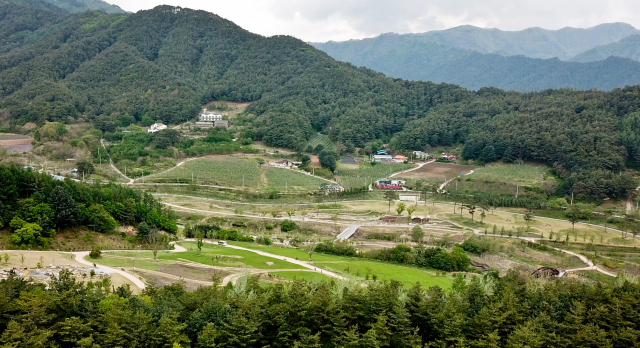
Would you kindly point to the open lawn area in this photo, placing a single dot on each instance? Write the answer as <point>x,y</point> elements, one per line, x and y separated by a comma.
<point>385,271</point>
<point>215,255</point>
<point>301,275</point>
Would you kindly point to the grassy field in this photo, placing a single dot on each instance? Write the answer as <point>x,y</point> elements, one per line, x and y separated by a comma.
<point>300,275</point>
<point>290,180</point>
<point>223,171</point>
<point>245,258</point>
<point>523,174</point>
<point>320,139</point>
<point>384,271</point>
<point>358,268</point>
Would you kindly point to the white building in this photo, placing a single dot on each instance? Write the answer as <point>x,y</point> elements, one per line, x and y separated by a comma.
<point>156,127</point>
<point>383,158</point>
<point>210,117</point>
<point>420,155</point>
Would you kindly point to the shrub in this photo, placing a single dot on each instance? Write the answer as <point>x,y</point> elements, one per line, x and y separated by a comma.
<point>336,249</point>
<point>476,245</point>
<point>287,226</point>
<point>95,253</point>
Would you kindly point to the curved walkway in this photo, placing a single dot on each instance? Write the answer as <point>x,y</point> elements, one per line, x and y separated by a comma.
<point>284,258</point>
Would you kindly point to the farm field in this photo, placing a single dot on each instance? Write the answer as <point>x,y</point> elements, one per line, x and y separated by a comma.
<point>223,171</point>
<point>320,139</point>
<point>290,180</point>
<point>523,174</point>
<point>366,173</point>
<point>437,171</point>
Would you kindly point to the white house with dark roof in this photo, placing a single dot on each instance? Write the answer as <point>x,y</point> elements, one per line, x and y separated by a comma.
<point>156,127</point>
<point>210,117</point>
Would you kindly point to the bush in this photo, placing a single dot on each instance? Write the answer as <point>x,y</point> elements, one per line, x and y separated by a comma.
<point>476,245</point>
<point>95,253</point>
<point>336,249</point>
<point>287,226</point>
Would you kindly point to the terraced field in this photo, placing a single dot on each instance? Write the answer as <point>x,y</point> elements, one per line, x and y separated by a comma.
<point>320,139</point>
<point>289,180</point>
<point>223,171</point>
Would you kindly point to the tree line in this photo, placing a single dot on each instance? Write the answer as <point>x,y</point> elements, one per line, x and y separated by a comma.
<point>483,311</point>
<point>35,206</point>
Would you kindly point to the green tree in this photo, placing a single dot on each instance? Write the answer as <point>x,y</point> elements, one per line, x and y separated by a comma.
<point>390,196</point>
<point>417,234</point>
<point>410,210</point>
<point>85,166</point>
<point>65,208</point>
<point>327,160</point>
<point>400,207</point>
<point>99,219</point>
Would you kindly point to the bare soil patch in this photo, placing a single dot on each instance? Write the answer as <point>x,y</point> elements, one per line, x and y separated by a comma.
<point>437,171</point>
<point>315,161</point>
<point>191,272</point>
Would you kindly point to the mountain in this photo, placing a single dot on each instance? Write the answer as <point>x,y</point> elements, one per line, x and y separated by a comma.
<point>67,6</point>
<point>533,42</point>
<point>629,47</point>
<point>73,6</point>
<point>165,63</point>
<point>414,59</point>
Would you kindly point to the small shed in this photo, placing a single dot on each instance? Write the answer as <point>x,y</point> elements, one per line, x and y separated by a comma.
<point>409,197</point>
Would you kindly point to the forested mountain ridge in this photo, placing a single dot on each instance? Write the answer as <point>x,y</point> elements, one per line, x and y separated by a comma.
<point>73,6</point>
<point>629,47</point>
<point>564,43</point>
<point>166,62</point>
<point>414,59</point>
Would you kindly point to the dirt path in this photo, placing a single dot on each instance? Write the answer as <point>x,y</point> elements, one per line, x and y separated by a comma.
<point>288,259</point>
<point>420,165</point>
<point>448,181</point>
<point>170,169</point>
<point>113,166</point>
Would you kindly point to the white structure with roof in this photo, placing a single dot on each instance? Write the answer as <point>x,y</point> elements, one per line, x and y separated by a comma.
<point>210,117</point>
<point>156,127</point>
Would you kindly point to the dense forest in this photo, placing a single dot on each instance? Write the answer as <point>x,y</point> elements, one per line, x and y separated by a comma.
<point>512,311</point>
<point>164,63</point>
<point>34,206</point>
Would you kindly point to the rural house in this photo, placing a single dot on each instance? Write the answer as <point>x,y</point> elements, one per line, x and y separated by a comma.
<point>448,156</point>
<point>331,188</point>
<point>156,127</point>
<point>210,117</point>
<point>204,124</point>
<point>382,158</point>
<point>420,155</point>
<point>221,123</point>
<point>383,182</point>
<point>400,158</point>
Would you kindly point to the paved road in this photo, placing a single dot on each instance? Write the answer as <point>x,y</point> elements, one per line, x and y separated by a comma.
<point>346,234</point>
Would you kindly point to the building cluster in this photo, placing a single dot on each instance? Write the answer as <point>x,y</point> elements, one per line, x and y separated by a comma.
<point>210,120</point>
<point>448,156</point>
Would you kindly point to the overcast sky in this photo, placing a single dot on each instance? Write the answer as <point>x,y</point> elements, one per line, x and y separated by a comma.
<point>324,20</point>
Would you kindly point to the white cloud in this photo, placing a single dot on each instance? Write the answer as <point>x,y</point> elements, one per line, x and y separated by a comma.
<point>323,20</point>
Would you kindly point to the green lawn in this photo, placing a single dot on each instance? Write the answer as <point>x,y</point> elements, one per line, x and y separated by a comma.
<point>224,172</point>
<point>308,276</point>
<point>385,271</point>
<point>209,252</point>
<point>291,252</point>
<point>290,180</point>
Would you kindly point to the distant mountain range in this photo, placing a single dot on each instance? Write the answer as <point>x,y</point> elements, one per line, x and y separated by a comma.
<point>67,6</point>
<point>603,57</point>
<point>73,6</point>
